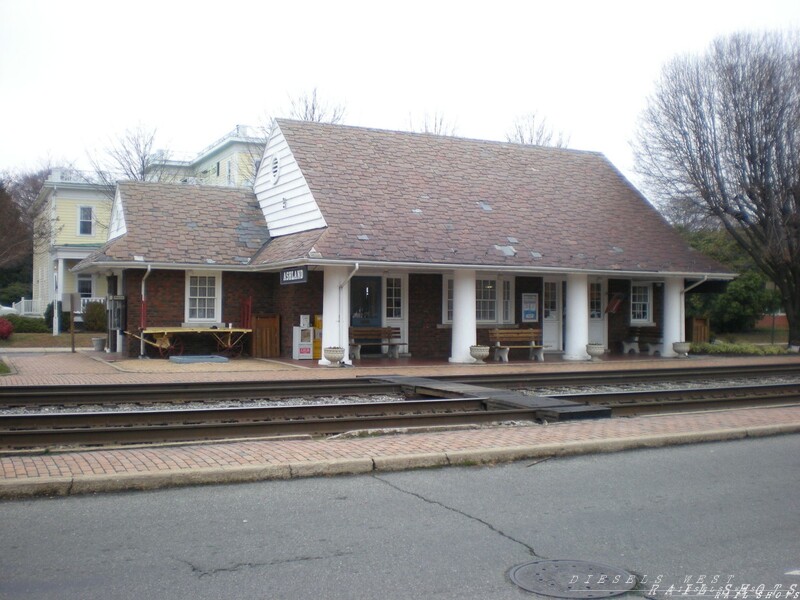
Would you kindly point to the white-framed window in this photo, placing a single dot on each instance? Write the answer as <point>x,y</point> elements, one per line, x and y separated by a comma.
<point>85,286</point>
<point>203,297</point>
<point>550,300</point>
<point>508,302</point>
<point>394,298</point>
<point>85,220</point>
<point>641,303</point>
<point>486,300</point>
<point>489,308</point>
<point>595,300</point>
<point>448,300</point>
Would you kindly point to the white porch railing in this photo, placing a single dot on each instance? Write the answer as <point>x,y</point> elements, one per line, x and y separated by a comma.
<point>85,301</point>
<point>26,307</point>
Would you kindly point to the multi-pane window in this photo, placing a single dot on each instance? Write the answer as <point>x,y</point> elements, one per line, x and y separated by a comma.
<point>507,306</point>
<point>85,286</point>
<point>488,304</point>
<point>394,298</point>
<point>595,300</point>
<point>550,300</point>
<point>449,301</point>
<point>202,297</point>
<point>485,300</point>
<point>641,302</point>
<point>85,220</point>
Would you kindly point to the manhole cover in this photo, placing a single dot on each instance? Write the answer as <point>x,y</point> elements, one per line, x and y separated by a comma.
<point>572,579</point>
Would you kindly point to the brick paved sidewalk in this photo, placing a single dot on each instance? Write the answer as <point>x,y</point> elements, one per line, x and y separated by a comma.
<point>155,467</point>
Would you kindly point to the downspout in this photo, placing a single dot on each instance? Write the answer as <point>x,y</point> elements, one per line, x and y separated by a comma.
<point>143,313</point>
<point>683,305</point>
<point>339,312</point>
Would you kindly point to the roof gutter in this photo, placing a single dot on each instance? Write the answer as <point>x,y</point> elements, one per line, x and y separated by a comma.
<point>412,266</point>
<point>349,277</point>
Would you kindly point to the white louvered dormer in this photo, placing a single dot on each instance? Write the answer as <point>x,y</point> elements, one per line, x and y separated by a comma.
<point>116,226</point>
<point>282,191</point>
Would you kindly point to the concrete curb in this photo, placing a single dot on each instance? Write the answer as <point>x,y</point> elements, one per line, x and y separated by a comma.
<point>66,486</point>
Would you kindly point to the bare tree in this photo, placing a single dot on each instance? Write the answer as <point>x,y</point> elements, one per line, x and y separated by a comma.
<point>132,156</point>
<point>436,124</point>
<point>308,107</point>
<point>720,138</point>
<point>23,187</point>
<point>16,241</point>
<point>535,131</point>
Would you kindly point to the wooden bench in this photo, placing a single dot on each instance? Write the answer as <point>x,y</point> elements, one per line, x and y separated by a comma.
<point>505,339</point>
<point>375,336</point>
<point>650,338</point>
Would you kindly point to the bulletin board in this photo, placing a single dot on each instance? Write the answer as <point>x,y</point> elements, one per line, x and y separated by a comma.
<point>530,308</point>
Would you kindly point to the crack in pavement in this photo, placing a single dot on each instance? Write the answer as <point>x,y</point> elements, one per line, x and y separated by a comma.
<point>200,573</point>
<point>500,532</point>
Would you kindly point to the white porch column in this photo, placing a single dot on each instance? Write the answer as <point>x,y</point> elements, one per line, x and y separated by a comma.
<point>58,290</point>
<point>577,317</point>
<point>464,332</point>
<point>673,313</point>
<point>336,311</point>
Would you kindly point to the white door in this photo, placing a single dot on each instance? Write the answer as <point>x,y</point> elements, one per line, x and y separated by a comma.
<point>597,314</point>
<point>551,315</point>
<point>395,313</point>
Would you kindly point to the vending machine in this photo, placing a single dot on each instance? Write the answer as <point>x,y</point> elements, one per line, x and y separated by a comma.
<point>302,343</point>
<point>317,337</point>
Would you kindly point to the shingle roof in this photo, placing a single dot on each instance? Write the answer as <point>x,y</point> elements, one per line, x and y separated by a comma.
<point>409,198</point>
<point>187,224</point>
<point>420,198</point>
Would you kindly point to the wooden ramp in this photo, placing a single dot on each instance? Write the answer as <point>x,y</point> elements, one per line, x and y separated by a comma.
<point>552,409</point>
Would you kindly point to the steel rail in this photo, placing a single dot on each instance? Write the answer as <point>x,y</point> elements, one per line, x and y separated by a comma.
<point>639,402</point>
<point>25,431</point>
<point>64,395</point>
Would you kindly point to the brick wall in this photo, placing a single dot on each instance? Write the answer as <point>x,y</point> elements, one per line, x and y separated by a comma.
<point>166,302</point>
<point>619,323</point>
<point>425,338</point>
<point>291,301</point>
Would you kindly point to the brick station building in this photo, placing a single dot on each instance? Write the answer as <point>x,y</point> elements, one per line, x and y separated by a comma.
<point>443,238</point>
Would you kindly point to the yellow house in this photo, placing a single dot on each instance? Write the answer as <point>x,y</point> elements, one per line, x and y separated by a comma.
<point>231,161</point>
<point>74,213</point>
<point>72,222</point>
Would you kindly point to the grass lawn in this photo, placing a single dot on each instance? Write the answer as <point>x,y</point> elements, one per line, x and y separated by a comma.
<point>48,340</point>
<point>780,337</point>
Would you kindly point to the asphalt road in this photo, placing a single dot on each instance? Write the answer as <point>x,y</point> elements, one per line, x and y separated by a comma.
<point>728,511</point>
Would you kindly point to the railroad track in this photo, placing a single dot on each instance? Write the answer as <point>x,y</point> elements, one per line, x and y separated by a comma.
<point>149,426</point>
<point>643,402</point>
<point>15,396</point>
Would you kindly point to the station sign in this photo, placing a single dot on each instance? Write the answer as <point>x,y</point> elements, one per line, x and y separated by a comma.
<point>295,275</point>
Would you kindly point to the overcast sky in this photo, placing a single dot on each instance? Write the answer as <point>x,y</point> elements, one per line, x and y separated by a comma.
<point>74,74</point>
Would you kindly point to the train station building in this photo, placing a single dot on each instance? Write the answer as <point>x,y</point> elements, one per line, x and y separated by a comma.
<point>441,239</point>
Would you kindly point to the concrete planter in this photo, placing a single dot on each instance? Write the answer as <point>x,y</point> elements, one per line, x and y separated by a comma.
<point>595,351</point>
<point>479,353</point>
<point>334,354</point>
<point>682,348</point>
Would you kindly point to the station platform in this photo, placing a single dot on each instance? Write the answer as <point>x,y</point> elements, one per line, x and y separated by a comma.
<point>152,467</point>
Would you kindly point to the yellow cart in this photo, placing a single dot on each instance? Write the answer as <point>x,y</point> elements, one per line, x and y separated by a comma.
<point>230,340</point>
